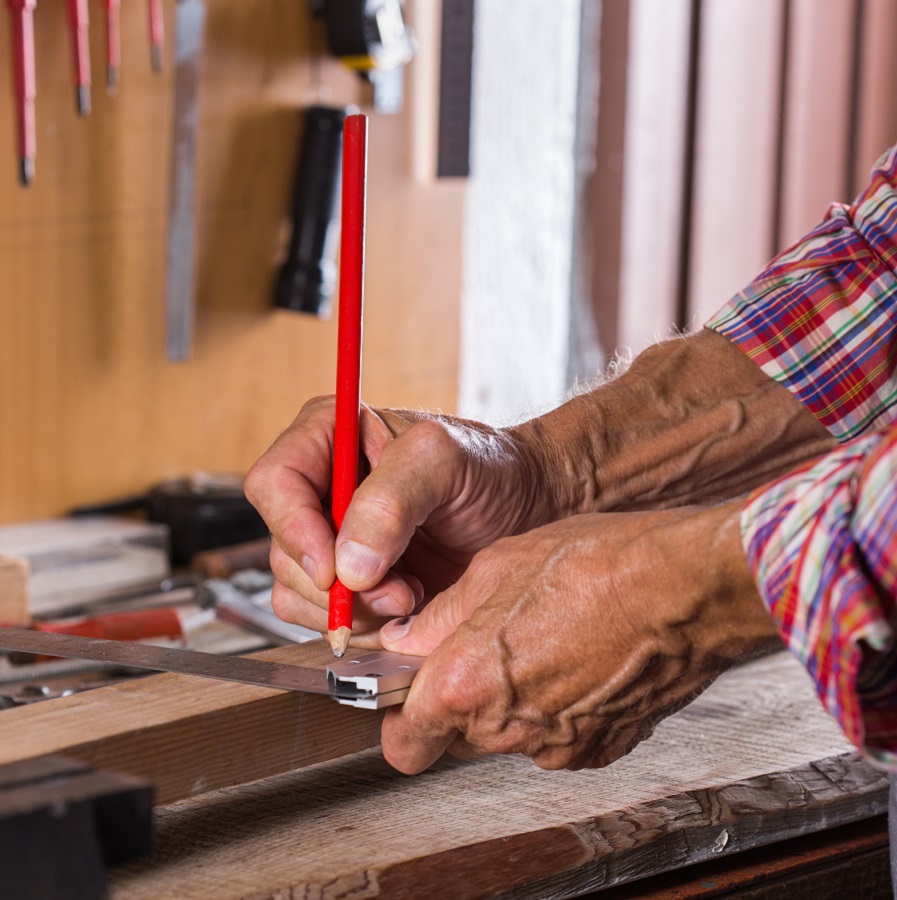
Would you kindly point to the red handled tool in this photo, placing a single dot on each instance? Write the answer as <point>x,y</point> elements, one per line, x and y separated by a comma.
<point>22,31</point>
<point>137,625</point>
<point>113,45</point>
<point>80,33</point>
<point>348,359</point>
<point>157,34</point>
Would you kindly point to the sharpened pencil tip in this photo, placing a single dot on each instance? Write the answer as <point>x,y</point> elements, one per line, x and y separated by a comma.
<point>112,79</point>
<point>156,57</point>
<point>339,641</point>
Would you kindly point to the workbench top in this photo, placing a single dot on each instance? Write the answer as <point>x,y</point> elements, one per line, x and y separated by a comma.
<point>753,761</point>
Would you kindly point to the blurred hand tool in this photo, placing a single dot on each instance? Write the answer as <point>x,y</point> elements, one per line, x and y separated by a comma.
<point>80,36</point>
<point>113,45</point>
<point>308,276</point>
<point>371,37</point>
<point>22,35</point>
<point>141,625</point>
<point>157,34</point>
<point>189,24</point>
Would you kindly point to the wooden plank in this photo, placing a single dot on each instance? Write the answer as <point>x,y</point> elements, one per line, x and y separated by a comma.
<point>13,590</point>
<point>736,152</point>
<point>852,860</point>
<point>189,735</point>
<point>753,761</point>
<point>818,116</point>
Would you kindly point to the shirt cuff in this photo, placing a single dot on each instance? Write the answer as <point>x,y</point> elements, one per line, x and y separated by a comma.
<point>822,545</point>
<point>821,319</point>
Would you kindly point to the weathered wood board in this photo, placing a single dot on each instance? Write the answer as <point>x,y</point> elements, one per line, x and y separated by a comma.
<point>753,761</point>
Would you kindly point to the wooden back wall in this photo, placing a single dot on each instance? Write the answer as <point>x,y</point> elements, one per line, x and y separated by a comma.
<point>89,407</point>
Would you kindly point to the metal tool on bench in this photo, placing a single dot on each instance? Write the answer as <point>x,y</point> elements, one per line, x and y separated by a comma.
<point>372,681</point>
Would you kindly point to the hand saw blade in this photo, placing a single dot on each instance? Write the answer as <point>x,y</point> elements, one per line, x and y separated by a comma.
<point>372,681</point>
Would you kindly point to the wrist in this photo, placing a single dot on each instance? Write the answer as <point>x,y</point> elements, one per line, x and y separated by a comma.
<point>693,420</point>
<point>720,607</point>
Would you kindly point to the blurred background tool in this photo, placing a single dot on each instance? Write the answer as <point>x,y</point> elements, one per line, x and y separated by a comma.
<point>138,625</point>
<point>22,38</point>
<point>81,37</point>
<point>157,34</point>
<point>371,37</point>
<point>189,24</point>
<point>307,278</point>
<point>205,511</point>
<point>113,45</point>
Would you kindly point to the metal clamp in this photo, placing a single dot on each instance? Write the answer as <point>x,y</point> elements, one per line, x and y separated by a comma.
<point>373,681</point>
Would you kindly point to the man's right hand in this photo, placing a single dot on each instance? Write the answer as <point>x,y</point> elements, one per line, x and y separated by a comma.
<point>439,490</point>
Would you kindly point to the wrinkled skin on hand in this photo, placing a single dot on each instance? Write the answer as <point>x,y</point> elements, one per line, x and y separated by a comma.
<point>439,490</point>
<point>570,642</point>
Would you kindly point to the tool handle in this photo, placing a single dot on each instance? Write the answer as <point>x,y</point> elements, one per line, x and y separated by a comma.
<point>308,276</point>
<point>24,83</point>
<point>80,37</point>
<point>138,625</point>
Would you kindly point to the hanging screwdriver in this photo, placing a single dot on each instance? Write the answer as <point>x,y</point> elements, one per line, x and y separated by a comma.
<point>113,45</point>
<point>22,33</point>
<point>80,34</point>
<point>157,34</point>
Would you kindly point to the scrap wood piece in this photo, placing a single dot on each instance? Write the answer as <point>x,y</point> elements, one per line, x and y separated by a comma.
<point>13,590</point>
<point>188,735</point>
<point>62,823</point>
<point>753,761</point>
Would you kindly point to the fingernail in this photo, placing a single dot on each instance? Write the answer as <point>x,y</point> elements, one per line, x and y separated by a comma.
<point>310,569</point>
<point>388,606</point>
<point>355,562</point>
<point>397,629</point>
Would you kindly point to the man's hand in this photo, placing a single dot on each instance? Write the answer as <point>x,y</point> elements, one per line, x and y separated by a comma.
<point>439,490</point>
<point>570,642</point>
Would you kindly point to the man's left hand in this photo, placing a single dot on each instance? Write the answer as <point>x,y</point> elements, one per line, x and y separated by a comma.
<point>569,643</point>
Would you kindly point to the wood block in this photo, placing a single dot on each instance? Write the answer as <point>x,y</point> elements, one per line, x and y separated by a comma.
<point>62,823</point>
<point>13,590</point>
<point>189,735</point>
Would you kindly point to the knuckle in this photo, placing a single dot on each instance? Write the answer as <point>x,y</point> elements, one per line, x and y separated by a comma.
<point>433,437</point>
<point>386,511</point>
<point>255,485</point>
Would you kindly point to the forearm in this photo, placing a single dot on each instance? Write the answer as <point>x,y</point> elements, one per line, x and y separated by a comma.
<point>693,420</point>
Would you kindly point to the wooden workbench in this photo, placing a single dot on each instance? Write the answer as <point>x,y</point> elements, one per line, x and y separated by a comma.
<point>752,762</point>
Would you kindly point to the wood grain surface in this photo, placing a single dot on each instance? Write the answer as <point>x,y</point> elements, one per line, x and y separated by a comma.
<point>754,760</point>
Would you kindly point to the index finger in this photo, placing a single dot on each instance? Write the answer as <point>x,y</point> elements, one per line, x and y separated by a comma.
<point>287,483</point>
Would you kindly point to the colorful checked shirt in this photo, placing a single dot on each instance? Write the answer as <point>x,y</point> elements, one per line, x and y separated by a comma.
<point>821,319</point>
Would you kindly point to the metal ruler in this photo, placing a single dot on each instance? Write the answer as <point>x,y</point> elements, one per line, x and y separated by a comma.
<point>372,681</point>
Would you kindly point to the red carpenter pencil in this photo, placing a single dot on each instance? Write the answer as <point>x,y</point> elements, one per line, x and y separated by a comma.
<point>348,359</point>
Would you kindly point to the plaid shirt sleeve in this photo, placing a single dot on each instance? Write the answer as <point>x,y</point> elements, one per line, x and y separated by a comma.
<point>821,319</point>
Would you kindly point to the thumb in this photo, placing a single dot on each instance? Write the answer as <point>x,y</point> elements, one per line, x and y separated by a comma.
<point>420,635</point>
